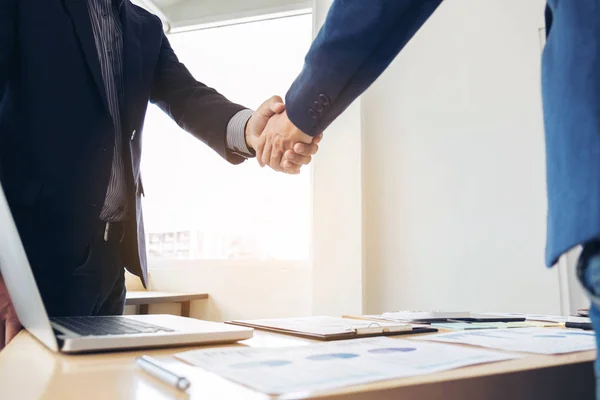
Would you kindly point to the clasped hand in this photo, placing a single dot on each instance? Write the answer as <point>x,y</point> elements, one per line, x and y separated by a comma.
<point>277,141</point>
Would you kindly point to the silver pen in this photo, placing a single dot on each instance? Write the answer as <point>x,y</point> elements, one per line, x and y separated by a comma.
<point>156,369</point>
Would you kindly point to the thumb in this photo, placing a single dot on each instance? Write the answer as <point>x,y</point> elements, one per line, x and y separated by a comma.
<point>318,139</point>
<point>271,107</point>
<point>277,107</point>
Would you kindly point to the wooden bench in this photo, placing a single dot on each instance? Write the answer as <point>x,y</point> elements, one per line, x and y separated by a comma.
<point>143,299</point>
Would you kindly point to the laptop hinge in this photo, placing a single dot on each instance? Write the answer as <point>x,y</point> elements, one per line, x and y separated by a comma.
<point>63,333</point>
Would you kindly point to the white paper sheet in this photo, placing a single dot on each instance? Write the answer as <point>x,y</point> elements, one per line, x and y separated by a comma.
<point>529,340</point>
<point>323,366</point>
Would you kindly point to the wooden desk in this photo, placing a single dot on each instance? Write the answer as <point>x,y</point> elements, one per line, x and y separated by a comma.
<point>29,371</point>
<point>142,299</point>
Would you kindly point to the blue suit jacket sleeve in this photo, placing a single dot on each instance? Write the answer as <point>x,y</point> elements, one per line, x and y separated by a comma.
<point>355,45</point>
<point>195,107</point>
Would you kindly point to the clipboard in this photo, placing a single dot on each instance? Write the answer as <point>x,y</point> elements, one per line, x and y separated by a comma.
<point>332,328</point>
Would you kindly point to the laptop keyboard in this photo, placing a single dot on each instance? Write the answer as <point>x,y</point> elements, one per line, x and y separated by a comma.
<point>102,326</point>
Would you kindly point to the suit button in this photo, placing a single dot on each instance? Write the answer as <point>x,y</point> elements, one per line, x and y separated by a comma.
<point>313,114</point>
<point>319,107</point>
<point>324,100</point>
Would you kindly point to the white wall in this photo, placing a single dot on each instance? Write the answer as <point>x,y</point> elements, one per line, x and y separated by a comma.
<point>237,290</point>
<point>337,273</point>
<point>454,166</point>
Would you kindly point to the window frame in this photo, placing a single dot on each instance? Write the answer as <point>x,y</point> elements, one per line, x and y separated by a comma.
<point>301,8</point>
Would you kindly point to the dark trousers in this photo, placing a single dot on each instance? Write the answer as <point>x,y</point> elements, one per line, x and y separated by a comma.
<point>97,285</point>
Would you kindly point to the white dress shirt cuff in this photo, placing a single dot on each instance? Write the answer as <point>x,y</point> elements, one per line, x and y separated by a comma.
<point>236,133</point>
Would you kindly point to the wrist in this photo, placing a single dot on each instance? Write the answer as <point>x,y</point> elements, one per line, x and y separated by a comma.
<point>248,135</point>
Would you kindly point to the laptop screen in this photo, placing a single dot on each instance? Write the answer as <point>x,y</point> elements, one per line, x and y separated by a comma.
<point>20,281</point>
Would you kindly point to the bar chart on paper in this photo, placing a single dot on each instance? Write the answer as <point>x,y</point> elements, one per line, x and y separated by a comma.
<point>528,340</point>
<point>332,365</point>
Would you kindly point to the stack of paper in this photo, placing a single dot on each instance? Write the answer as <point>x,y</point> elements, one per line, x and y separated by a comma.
<point>529,340</point>
<point>323,366</point>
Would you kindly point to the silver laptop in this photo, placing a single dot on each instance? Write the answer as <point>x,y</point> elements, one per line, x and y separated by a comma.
<point>87,334</point>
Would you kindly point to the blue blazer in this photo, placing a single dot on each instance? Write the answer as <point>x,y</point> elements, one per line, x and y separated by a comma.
<point>360,38</point>
<point>56,132</point>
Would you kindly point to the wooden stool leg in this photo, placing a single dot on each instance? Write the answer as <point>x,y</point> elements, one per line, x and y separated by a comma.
<point>143,309</point>
<point>185,308</point>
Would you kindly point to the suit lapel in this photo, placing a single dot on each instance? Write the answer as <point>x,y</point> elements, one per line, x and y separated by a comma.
<point>78,11</point>
<point>132,62</point>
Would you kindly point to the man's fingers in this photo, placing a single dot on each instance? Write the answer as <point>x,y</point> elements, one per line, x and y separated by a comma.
<point>306,149</point>
<point>266,155</point>
<point>295,158</point>
<point>275,162</point>
<point>260,148</point>
<point>318,139</point>
<point>290,168</point>
<point>13,327</point>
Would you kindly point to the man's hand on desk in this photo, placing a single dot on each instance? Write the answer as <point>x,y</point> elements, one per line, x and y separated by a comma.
<point>258,135</point>
<point>9,323</point>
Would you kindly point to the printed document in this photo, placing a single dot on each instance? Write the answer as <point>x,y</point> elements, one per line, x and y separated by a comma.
<point>323,366</point>
<point>529,340</point>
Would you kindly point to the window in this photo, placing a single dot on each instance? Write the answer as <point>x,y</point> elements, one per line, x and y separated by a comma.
<point>197,206</point>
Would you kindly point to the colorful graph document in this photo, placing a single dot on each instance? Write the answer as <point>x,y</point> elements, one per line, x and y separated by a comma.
<point>529,340</point>
<point>323,366</point>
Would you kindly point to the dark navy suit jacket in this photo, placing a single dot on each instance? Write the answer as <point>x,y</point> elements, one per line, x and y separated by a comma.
<point>360,39</point>
<point>57,135</point>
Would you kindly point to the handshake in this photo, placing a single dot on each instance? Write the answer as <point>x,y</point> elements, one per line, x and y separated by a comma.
<point>276,140</point>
